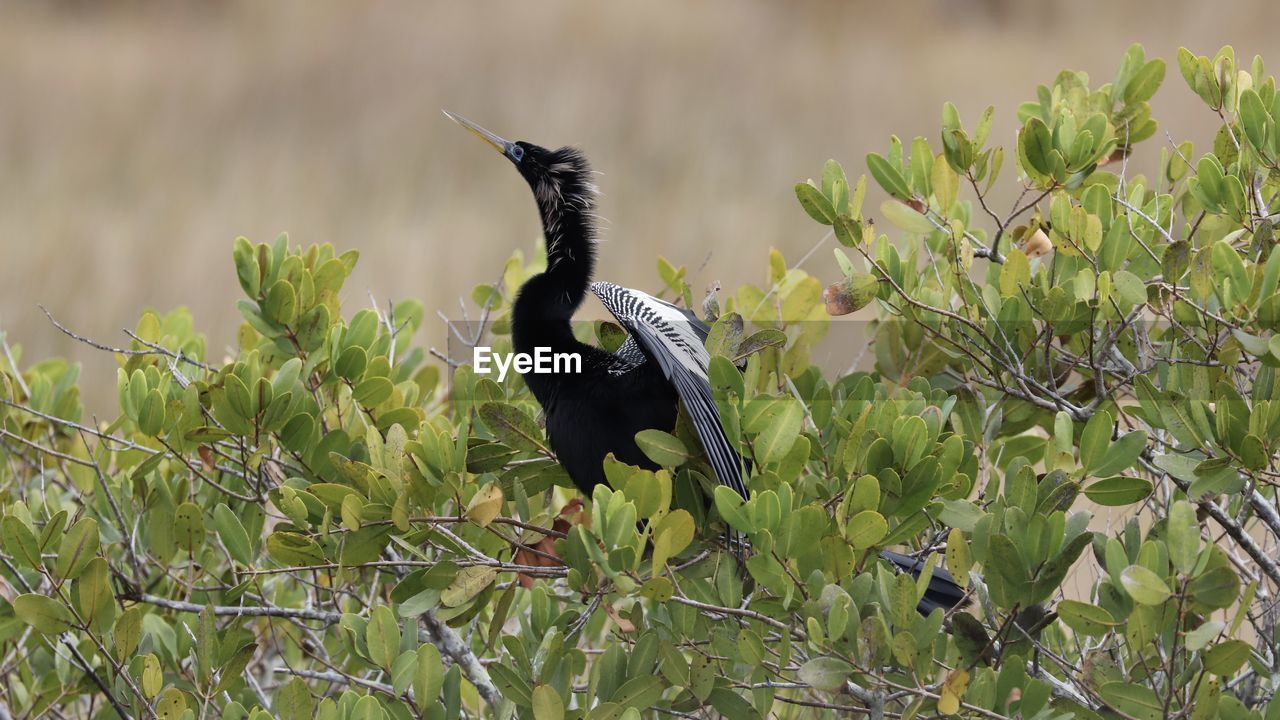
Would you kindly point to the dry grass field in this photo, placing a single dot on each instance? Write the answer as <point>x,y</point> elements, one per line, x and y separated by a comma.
<point>138,139</point>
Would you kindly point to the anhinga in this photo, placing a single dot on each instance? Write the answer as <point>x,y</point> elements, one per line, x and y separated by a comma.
<point>599,410</point>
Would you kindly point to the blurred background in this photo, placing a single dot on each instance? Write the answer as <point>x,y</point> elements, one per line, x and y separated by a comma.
<point>138,139</point>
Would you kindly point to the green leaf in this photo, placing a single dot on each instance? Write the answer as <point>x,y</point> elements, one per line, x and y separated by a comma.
<point>78,547</point>
<point>1226,658</point>
<point>813,202</point>
<point>1118,491</point>
<point>1085,618</point>
<point>1122,454</point>
<point>961,514</point>
<point>825,673</point>
<point>1050,575</point>
<point>1183,536</point>
<point>46,615</point>
<point>758,342</point>
<point>1036,146</point>
<point>383,637</point>
<point>888,177</point>
<point>351,363</point>
<point>204,434</point>
<point>293,701</point>
<point>1144,586</point>
<point>1254,118</point>
<point>661,447</point>
<point>233,535</point>
<point>730,506</point>
<point>20,542</point>
<point>1216,588</point>
<point>128,632</point>
<point>512,426</point>
<point>94,599</point>
<point>835,184</point>
<point>848,231</point>
<point>1003,557</point>
<point>1130,289</point>
<point>638,692</point>
<point>428,676</point>
<point>971,638</point>
<point>292,549</point>
<point>1136,701</point>
<point>234,668</point>
<point>1142,86</point>
<point>777,425</point>
<point>206,643</point>
<point>151,414</point>
<point>237,395</point>
<point>1175,261</point>
<point>188,527</point>
<point>1095,440</point>
<point>1203,635</point>
<point>247,270</point>
<point>372,391</point>
<point>282,303</point>
<point>866,529</point>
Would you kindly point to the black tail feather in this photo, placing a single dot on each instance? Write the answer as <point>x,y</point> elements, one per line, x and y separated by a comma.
<point>943,591</point>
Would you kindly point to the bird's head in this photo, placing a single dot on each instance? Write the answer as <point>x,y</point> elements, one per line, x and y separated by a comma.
<point>557,177</point>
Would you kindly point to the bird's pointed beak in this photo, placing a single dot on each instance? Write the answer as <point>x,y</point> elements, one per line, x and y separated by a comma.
<point>494,141</point>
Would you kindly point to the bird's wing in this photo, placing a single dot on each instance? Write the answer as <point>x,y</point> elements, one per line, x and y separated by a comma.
<point>629,357</point>
<point>674,338</point>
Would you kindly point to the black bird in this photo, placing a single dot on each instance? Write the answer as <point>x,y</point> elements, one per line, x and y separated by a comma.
<point>663,361</point>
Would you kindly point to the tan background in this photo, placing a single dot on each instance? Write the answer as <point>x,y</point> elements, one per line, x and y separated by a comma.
<point>138,139</point>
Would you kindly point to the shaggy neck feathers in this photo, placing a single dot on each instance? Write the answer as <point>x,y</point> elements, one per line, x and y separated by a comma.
<point>566,202</point>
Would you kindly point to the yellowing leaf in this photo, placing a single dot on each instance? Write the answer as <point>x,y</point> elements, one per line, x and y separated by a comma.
<point>468,583</point>
<point>906,218</point>
<point>952,692</point>
<point>485,505</point>
<point>152,677</point>
<point>958,560</point>
<point>1015,273</point>
<point>672,534</point>
<point>547,704</point>
<point>946,184</point>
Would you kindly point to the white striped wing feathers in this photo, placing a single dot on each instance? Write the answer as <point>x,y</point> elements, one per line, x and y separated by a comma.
<point>674,339</point>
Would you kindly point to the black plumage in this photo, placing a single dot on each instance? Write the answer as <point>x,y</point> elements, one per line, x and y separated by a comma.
<point>599,410</point>
<point>662,363</point>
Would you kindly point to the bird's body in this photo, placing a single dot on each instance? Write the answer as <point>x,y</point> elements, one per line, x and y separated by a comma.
<point>662,365</point>
<point>601,413</point>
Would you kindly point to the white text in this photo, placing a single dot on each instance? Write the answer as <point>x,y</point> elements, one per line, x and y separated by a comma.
<point>542,361</point>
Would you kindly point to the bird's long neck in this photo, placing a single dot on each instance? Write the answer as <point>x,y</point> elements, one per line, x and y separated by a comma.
<point>546,303</point>
<point>567,225</point>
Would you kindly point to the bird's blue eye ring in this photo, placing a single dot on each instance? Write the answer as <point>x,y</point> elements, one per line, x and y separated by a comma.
<point>517,153</point>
